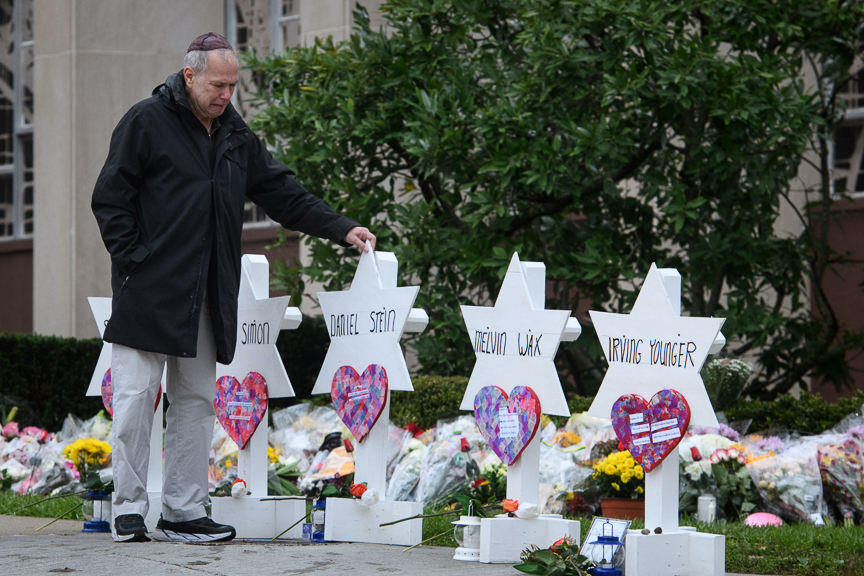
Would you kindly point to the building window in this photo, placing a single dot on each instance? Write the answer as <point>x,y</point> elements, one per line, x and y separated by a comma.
<point>848,150</point>
<point>289,24</point>
<point>16,119</point>
<point>262,26</point>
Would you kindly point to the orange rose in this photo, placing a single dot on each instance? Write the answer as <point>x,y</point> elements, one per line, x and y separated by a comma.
<point>357,490</point>
<point>510,505</point>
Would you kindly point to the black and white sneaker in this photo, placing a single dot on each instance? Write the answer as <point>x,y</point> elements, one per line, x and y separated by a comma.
<point>199,531</point>
<point>129,528</point>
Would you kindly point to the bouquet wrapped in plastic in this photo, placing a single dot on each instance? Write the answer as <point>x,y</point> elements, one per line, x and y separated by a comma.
<point>842,466</point>
<point>790,483</point>
<point>403,482</point>
<point>444,467</point>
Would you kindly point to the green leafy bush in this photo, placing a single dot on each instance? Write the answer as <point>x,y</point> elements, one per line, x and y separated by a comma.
<point>578,404</point>
<point>434,398</point>
<point>810,413</point>
<point>46,377</point>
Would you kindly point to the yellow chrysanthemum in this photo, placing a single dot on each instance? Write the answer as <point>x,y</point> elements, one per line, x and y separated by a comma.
<point>87,452</point>
<point>610,469</point>
<point>273,454</point>
<point>639,490</point>
<point>638,473</point>
<point>616,486</point>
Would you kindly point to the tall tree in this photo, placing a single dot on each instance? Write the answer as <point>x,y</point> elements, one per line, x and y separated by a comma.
<point>597,136</point>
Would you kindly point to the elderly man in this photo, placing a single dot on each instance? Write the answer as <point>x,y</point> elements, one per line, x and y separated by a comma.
<point>169,204</point>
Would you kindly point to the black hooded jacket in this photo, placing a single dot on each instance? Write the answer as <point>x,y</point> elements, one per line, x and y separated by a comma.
<point>169,204</point>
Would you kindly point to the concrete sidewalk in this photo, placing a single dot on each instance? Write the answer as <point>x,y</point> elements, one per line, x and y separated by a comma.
<point>63,548</point>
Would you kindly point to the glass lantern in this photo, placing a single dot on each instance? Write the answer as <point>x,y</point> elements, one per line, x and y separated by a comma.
<point>607,553</point>
<point>97,511</point>
<point>319,508</point>
<point>467,535</point>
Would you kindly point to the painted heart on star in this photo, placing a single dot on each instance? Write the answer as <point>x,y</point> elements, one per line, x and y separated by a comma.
<point>507,423</point>
<point>108,394</point>
<point>359,399</point>
<point>240,406</point>
<point>651,430</point>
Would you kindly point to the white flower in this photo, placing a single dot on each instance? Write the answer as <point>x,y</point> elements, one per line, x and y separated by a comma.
<point>369,498</point>
<point>527,510</point>
<point>238,488</point>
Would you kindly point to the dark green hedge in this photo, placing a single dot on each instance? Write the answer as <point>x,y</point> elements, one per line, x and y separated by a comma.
<point>47,377</point>
<point>434,398</point>
<point>810,413</point>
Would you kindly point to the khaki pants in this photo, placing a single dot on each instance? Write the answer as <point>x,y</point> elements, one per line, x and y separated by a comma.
<point>191,389</point>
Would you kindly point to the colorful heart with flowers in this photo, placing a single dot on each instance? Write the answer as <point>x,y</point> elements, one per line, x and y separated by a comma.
<point>240,406</point>
<point>359,399</point>
<point>651,430</point>
<point>507,423</point>
<point>108,394</point>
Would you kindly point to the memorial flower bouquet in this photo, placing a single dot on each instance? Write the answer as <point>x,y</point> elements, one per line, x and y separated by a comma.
<point>619,476</point>
<point>724,475</point>
<point>790,483</point>
<point>89,455</point>
<point>842,469</point>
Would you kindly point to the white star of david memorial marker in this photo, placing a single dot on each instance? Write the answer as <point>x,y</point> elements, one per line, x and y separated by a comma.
<point>259,321</point>
<point>365,324</point>
<point>516,340</point>
<point>654,347</point>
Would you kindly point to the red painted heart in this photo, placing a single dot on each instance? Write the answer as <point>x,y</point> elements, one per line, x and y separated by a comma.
<point>108,394</point>
<point>359,399</point>
<point>507,423</point>
<point>650,431</point>
<point>240,406</point>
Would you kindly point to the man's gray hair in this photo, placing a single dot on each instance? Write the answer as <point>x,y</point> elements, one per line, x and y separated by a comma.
<point>197,59</point>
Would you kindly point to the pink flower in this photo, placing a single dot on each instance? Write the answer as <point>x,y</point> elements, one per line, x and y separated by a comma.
<point>72,467</point>
<point>32,431</point>
<point>10,430</point>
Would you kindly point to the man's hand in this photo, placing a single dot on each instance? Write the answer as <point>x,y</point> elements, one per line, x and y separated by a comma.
<point>358,236</point>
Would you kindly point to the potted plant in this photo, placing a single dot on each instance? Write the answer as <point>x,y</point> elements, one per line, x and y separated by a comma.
<point>620,483</point>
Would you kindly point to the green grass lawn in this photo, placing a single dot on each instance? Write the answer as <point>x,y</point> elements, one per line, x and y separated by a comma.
<point>790,550</point>
<point>23,505</point>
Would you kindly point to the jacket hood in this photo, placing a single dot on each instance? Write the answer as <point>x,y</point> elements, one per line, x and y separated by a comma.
<point>173,92</point>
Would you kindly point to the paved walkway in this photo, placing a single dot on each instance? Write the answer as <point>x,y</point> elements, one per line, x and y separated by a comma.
<point>63,548</point>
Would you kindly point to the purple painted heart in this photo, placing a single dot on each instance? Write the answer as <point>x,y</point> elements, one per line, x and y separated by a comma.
<point>359,399</point>
<point>240,406</point>
<point>507,423</point>
<point>651,430</point>
<point>108,394</point>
